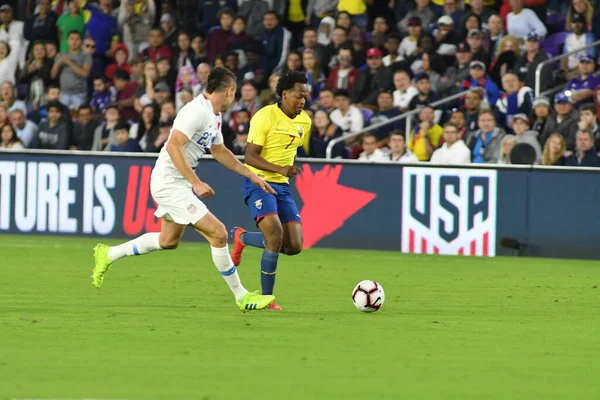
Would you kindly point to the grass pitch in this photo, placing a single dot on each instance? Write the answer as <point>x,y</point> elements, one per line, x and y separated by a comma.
<point>164,326</point>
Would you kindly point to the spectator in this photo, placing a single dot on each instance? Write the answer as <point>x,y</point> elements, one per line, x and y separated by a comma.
<point>323,131</point>
<point>188,79</point>
<point>588,121</point>
<point>239,40</point>
<point>517,99</point>
<point>505,58</point>
<point>450,83</point>
<point>40,26</point>
<point>527,63</point>
<point>309,41</point>
<point>8,96</point>
<point>248,100</point>
<point>167,111</point>
<point>425,136</point>
<point>71,21</point>
<point>473,101</point>
<point>26,129</point>
<point>126,91</point>
<point>120,55</point>
<point>372,80</point>
<point>486,142</point>
<point>359,46</point>
<point>471,23</point>
<point>404,90</point>
<point>564,122</point>
<point>164,129</point>
<point>520,21</point>
<point>446,38</point>
<point>37,74</point>
<point>9,139</point>
<point>326,100</point>
<point>99,63</point>
<point>387,111</point>
<point>344,75</point>
<point>496,33</point>
<point>475,41</point>
<point>145,131</point>
<point>3,116</point>
<point>579,37</point>
<point>104,135</point>
<point>339,38</point>
<point>370,150</point>
<point>103,95</point>
<point>269,95</point>
<point>253,11</point>
<point>52,50</point>
<point>325,31</point>
<point>202,73</point>
<point>216,42</point>
<point>157,47</point>
<point>183,55</point>
<point>312,69</point>
<point>123,143</point>
<point>84,129</point>
<point>209,12</point>
<point>458,119</point>
<point>145,92</point>
<point>52,95</point>
<point>381,29</point>
<point>199,54</point>
<point>425,95</point>
<point>346,116</point>
<point>293,62</point>
<point>8,62</point>
<point>168,27</point>
<point>541,112</point>
<point>423,11</point>
<point>241,132</point>
<point>554,150</point>
<point>166,73</point>
<point>398,151</point>
<point>584,155</point>
<point>136,65</point>
<point>452,9</point>
<point>275,39</point>
<point>54,133</point>
<point>392,46</point>
<point>426,44</point>
<point>454,151</point>
<point>73,68</point>
<point>162,93</point>
<point>102,27</point>
<point>520,127</point>
<point>582,7</point>
<point>506,146</point>
<point>431,62</point>
<point>11,33</point>
<point>357,10</point>
<point>478,9</point>
<point>409,43</point>
<point>581,88</point>
<point>478,79</point>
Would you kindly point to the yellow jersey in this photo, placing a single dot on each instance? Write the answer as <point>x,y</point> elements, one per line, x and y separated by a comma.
<point>416,141</point>
<point>352,7</point>
<point>280,136</point>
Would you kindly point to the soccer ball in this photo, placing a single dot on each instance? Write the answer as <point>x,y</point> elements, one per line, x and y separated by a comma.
<point>368,296</point>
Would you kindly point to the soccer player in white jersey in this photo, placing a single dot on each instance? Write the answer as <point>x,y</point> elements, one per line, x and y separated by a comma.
<point>197,128</point>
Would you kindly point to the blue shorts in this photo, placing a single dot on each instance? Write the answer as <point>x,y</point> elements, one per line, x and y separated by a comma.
<point>262,203</point>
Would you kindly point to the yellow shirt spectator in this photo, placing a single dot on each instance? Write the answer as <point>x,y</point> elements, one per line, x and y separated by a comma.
<point>353,7</point>
<point>416,141</point>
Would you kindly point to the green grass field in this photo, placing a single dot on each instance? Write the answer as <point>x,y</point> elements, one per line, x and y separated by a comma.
<point>164,326</point>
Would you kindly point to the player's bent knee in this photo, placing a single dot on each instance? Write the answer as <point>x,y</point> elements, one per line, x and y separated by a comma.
<point>219,237</point>
<point>292,249</point>
<point>168,243</point>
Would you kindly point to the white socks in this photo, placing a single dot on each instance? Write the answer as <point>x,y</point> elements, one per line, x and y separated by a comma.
<point>223,262</point>
<point>141,245</point>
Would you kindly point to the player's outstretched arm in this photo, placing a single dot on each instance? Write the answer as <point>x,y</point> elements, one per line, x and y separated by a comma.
<point>224,156</point>
<point>254,159</point>
<point>177,141</point>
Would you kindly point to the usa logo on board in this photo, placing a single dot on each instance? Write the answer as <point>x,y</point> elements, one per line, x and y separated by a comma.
<point>449,211</point>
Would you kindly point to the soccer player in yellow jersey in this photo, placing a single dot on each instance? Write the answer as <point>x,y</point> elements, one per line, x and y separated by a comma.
<point>276,132</point>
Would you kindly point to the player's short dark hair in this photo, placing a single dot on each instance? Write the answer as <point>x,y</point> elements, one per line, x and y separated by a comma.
<point>589,107</point>
<point>288,80</point>
<point>341,93</point>
<point>220,79</point>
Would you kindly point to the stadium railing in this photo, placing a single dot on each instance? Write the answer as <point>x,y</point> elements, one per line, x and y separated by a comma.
<point>538,70</point>
<point>405,115</point>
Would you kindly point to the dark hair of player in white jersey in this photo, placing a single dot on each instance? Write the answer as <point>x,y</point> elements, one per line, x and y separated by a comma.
<point>219,80</point>
<point>292,89</point>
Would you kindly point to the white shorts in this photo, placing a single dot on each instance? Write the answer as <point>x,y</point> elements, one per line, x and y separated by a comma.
<point>176,202</point>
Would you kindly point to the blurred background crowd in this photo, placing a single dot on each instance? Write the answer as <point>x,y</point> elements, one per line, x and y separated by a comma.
<point>111,76</point>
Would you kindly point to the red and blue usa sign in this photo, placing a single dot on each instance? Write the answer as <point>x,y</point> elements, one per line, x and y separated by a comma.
<point>449,211</point>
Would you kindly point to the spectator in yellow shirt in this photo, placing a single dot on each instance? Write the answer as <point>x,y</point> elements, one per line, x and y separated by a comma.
<point>357,10</point>
<point>425,137</point>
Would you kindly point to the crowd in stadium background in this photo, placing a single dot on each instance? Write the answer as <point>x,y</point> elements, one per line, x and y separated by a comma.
<point>111,77</point>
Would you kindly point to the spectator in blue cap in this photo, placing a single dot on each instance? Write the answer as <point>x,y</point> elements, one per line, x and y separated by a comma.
<point>564,121</point>
<point>581,88</point>
<point>527,63</point>
<point>425,95</point>
<point>579,37</point>
<point>479,79</point>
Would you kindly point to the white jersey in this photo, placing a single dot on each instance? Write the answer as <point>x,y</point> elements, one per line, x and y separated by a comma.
<point>198,121</point>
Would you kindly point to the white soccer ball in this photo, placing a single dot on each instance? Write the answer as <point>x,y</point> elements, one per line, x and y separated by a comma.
<point>368,296</point>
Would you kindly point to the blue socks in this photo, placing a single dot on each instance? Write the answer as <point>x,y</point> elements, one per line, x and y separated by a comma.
<point>254,239</point>
<point>268,268</point>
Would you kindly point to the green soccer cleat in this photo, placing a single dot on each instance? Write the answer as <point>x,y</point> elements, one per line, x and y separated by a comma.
<point>102,264</point>
<point>254,301</point>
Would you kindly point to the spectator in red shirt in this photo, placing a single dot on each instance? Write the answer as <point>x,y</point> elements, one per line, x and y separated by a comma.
<point>120,56</point>
<point>344,75</point>
<point>125,94</point>
<point>216,43</point>
<point>157,47</point>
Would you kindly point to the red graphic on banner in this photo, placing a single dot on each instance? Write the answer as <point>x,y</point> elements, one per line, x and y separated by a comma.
<point>472,250</point>
<point>327,204</point>
<point>137,216</point>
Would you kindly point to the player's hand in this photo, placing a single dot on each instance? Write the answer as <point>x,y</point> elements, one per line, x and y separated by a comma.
<point>261,183</point>
<point>290,171</point>
<point>203,190</point>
